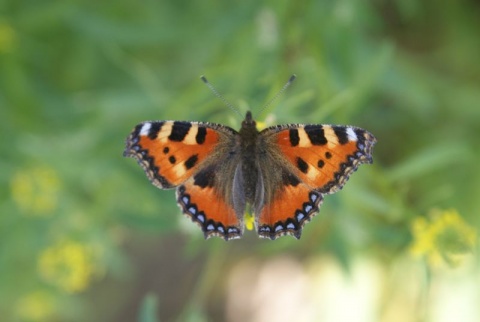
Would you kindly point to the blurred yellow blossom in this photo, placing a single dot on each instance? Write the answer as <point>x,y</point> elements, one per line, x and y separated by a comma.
<point>261,125</point>
<point>36,306</point>
<point>35,191</point>
<point>249,221</point>
<point>7,37</point>
<point>268,121</point>
<point>69,265</point>
<point>444,237</point>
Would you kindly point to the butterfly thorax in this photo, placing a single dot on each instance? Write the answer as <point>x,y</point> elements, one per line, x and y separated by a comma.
<point>249,154</point>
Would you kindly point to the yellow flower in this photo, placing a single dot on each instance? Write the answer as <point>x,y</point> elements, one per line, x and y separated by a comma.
<point>68,265</point>
<point>35,191</point>
<point>249,221</point>
<point>7,37</point>
<point>445,237</point>
<point>36,306</point>
<point>261,125</point>
<point>269,120</point>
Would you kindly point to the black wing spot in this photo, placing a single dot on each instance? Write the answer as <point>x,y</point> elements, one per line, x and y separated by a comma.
<point>154,129</point>
<point>302,165</point>
<point>294,137</point>
<point>328,155</point>
<point>321,163</point>
<point>341,133</point>
<point>316,134</point>
<point>201,135</point>
<point>190,163</point>
<point>289,179</point>
<point>205,178</point>
<point>172,159</point>
<point>179,131</point>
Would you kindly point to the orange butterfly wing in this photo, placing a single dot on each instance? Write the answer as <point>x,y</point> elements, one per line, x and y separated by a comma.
<point>179,154</point>
<point>318,160</point>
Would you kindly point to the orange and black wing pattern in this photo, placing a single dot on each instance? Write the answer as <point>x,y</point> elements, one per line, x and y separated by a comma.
<point>171,151</point>
<point>318,160</point>
<point>180,154</point>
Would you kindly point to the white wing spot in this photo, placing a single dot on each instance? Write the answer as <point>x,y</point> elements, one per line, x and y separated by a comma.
<point>145,129</point>
<point>300,216</point>
<point>351,134</point>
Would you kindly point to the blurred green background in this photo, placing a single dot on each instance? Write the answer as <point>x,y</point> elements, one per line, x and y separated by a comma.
<point>85,237</point>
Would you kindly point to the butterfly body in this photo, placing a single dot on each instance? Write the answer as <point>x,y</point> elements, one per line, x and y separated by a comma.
<point>280,173</point>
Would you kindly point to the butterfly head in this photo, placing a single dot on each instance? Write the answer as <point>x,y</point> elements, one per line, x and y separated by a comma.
<point>249,131</point>
<point>249,121</point>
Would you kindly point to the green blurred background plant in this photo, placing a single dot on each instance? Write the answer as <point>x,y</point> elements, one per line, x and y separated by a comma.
<point>84,236</point>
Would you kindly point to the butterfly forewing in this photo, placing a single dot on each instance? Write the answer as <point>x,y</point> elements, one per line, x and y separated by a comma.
<point>322,156</point>
<point>171,151</point>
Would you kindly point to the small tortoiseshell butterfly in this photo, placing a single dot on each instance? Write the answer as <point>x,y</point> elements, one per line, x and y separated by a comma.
<point>281,173</point>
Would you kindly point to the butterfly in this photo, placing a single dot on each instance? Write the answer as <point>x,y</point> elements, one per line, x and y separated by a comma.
<point>281,173</point>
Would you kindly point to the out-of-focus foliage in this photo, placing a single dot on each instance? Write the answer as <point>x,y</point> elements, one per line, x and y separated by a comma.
<point>84,235</point>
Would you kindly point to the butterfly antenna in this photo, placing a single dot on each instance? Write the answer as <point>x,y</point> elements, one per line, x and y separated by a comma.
<point>217,94</point>
<point>287,84</point>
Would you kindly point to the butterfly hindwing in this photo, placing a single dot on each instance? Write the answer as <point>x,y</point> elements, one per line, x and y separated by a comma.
<point>210,209</point>
<point>292,207</point>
